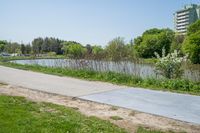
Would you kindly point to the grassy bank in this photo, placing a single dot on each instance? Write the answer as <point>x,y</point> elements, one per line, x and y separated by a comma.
<point>174,85</point>
<point>18,115</point>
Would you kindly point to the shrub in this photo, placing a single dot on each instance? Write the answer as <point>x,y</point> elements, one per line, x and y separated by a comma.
<point>170,66</point>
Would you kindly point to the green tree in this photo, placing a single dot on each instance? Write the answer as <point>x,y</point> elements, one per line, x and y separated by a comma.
<point>28,48</point>
<point>51,45</point>
<point>131,53</point>
<point>45,45</point>
<point>193,28</point>
<point>177,43</point>
<point>191,43</point>
<point>37,45</point>
<point>98,52</point>
<point>153,40</point>
<point>2,45</point>
<point>23,49</point>
<point>12,47</point>
<point>74,50</point>
<point>116,49</point>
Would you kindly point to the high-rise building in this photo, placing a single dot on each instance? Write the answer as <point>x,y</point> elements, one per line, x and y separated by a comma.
<point>186,16</point>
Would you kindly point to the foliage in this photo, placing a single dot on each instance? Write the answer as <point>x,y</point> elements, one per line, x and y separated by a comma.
<point>193,28</point>
<point>19,115</point>
<point>28,49</point>
<point>177,43</point>
<point>2,45</point>
<point>23,48</point>
<point>88,49</point>
<point>40,45</point>
<point>191,44</point>
<point>116,50</point>
<point>37,45</point>
<point>170,66</point>
<point>153,40</point>
<point>176,85</point>
<point>74,50</point>
<point>52,54</point>
<point>97,52</point>
<point>131,53</point>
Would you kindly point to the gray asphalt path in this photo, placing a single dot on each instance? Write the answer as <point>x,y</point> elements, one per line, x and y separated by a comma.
<point>53,84</point>
<point>172,105</point>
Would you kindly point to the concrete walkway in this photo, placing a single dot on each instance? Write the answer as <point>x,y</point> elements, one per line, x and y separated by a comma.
<point>53,84</point>
<point>172,105</point>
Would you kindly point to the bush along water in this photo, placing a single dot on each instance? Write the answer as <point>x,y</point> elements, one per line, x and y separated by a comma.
<point>170,66</point>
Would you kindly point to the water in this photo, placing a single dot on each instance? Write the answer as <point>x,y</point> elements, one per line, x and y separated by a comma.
<point>127,67</point>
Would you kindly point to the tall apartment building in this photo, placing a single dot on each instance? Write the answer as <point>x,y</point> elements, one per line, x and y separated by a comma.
<point>186,16</point>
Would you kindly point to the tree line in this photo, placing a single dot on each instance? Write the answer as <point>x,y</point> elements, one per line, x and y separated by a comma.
<point>144,46</point>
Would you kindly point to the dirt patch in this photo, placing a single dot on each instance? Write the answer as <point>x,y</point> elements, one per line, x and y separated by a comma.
<point>130,119</point>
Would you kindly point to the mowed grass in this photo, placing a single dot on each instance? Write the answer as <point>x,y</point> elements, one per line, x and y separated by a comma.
<point>19,115</point>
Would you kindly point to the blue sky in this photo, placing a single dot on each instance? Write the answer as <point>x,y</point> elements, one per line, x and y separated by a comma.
<point>85,21</point>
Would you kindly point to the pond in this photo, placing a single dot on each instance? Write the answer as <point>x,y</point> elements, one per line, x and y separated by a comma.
<point>127,67</point>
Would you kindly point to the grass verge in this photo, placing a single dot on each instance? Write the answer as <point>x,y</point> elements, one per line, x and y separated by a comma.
<point>173,85</point>
<point>18,115</point>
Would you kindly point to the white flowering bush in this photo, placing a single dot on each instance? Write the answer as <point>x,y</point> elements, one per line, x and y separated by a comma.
<point>170,66</point>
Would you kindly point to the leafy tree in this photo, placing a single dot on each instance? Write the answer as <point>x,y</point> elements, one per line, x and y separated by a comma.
<point>23,49</point>
<point>116,50</point>
<point>193,28</point>
<point>131,53</point>
<point>37,45</point>
<point>2,45</point>
<point>88,53</point>
<point>12,47</point>
<point>97,49</point>
<point>153,40</point>
<point>153,31</point>
<point>51,45</point>
<point>55,45</point>
<point>65,45</point>
<point>191,43</point>
<point>88,49</point>
<point>45,45</point>
<point>177,43</point>
<point>98,52</point>
<point>28,48</point>
<point>74,50</point>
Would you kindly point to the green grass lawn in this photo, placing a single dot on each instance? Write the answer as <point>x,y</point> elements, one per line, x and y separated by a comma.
<point>18,115</point>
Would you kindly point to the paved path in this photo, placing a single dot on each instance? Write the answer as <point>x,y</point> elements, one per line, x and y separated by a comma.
<point>53,84</point>
<point>172,105</point>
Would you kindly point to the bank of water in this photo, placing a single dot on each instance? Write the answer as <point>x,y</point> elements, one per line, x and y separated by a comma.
<point>127,67</point>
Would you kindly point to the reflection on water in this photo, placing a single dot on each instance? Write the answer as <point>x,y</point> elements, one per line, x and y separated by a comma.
<point>137,69</point>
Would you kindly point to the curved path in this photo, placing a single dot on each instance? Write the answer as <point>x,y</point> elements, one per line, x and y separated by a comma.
<point>177,106</point>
